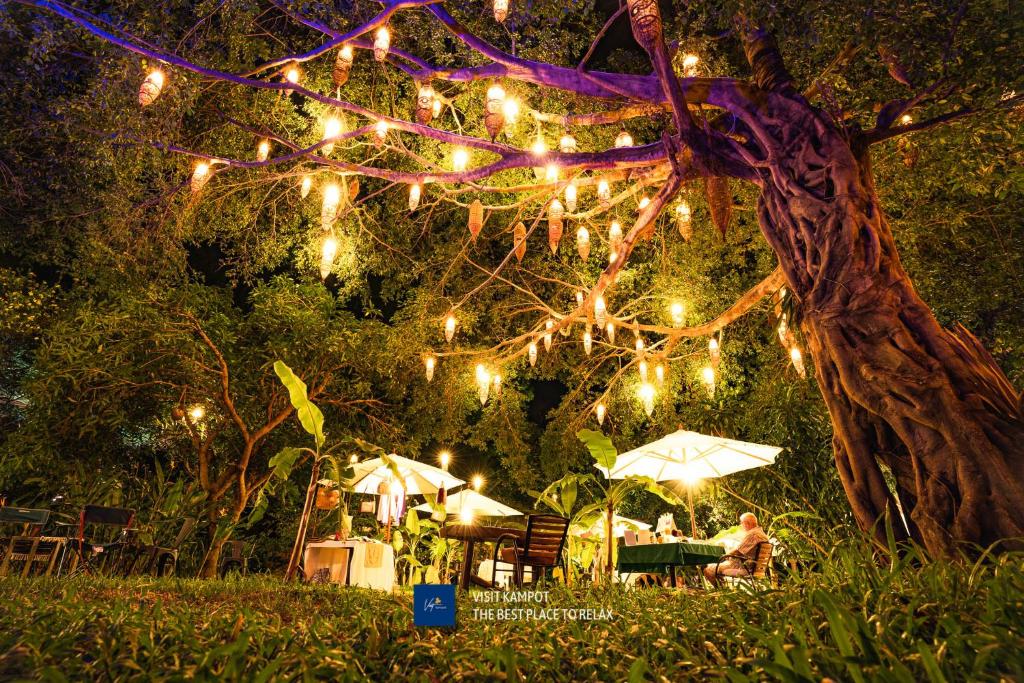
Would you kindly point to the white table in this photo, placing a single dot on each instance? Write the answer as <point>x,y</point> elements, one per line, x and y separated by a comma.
<point>328,554</point>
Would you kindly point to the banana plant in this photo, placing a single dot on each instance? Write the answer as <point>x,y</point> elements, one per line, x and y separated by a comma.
<point>605,493</point>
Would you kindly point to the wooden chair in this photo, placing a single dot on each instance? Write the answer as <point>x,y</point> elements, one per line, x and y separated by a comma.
<point>757,568</point>
<point>28,546</point>
<point>540,548</point>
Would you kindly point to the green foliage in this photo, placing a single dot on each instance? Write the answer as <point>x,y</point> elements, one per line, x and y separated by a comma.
<point>310,417</point>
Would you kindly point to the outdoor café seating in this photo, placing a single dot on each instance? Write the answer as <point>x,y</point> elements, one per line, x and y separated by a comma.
<point>539,549</point>
<point>37,554</point>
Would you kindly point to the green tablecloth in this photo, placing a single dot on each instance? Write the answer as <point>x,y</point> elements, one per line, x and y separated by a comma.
<point>656,556</point>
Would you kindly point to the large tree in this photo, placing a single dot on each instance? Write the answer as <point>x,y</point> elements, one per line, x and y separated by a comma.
<point>905,395</point>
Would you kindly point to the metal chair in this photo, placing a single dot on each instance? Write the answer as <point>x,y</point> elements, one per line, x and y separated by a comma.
<point>540,548</point>
<point>28,546</point>
<point>233,555</point>
<point>757,568</point>
<point>97,553</point>
<point>163,560</point>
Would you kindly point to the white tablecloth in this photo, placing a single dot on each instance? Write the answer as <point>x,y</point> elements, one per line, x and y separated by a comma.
<point>325,554</point>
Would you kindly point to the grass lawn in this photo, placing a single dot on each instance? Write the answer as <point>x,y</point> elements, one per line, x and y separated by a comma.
<point>853,620</point>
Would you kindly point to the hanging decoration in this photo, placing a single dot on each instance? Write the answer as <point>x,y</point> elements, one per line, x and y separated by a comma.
<point>460,159</point>
<point>436,107</point>
<point>615,237</point>
<point>531,352</point>
<point>567,144</point>
<point>332,129</point>
<point>263,150</point>
<point>449,327</point>
<point>645,20</point>
<point>539,148</point>
<point>549,324</point>
<point>500,10</point>
<point>677,312</point>
<point>415,190</point>
<point>200,175</point>
<point>583,242</point>
<point>579,297</point>
<point>624,139</point>
<point>329,207</point>
<point>496,382</point>
<point>476,218</point>
<point>610,331</point>
<point>151,87</point>
<point>342,65</point>
<point>604,191</point>
<point>519,240</point>
<point>600,412</point>
<point>714,352</point>
<point>494,119</point>
<point>646,394</point>
<point>292,75</point>
<point>690,62</point>
<point>555,213</point>
<point>429,363</point>
<point>483,383</point>
<point>380,132</point>
<point>659,373</point>
<point>510,108</point>
<point>588,342</point>
<point>719,195</point>
<point>798,362</point>
<point>708,376</point>
<point>424,104</point>
<point>641,368</point>
<point>684,220</point>
<point>381,44</point>
<point>639,342</point>
<point>570,196</point>
<point>306,186</point>
<point>328,250</point>
<point>645,201</point>
<point>551,173</point>
<point>600,310</point>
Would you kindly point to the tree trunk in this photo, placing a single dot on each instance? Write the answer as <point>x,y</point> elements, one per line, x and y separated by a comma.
<point>929,403</point>
<point>211,562</point>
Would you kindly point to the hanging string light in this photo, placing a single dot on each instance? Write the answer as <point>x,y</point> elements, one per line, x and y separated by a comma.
<point>263,150</point>
<point>555,213</point>
<point>579,297</point>
<point>615,236</point>
<point>494,119</point>
<point>588,342</point>
<point>496,382</point>
<point>708,375</point>
<point>583,242</point>
<point>677,312</point>
<point>684,222</point>
<point>151,87</point>
<point>424,104</point>
<point>328,250</point>
<point>570,196</point>
<point>519,240</point>
<point>483,383</point>
<point>500,10</point>
<point>292,76</point>
<point>798,362</point>
<point>659,373</point>
<point>600,310</point>
<point>476,218</point>
<point>567,144</point>
<point>644,203</point>
<point>604,191</point>
<point>624,139</point>
<point>200,175</point>
<point>381,44</point>
<point>646,393</point>
<point>600,411</point>
<point>783,330</point>
<point>342,65</point>
<point>639,343</point>
<point>460,159</point>
<point>714,352</point>
<point>610,331</point>
<point>380,132</point>
<point>332,129</point>
<point>531,352</point>
<point>641,367</point>
<point>549,324</point>
<point>690,62</point>
<point>306,186</point>
<point>329,207</point>
<point>449,327</point>
<point>436,107</point>
<point>415,190</point>
<point>539,148</point>
<point>510,108</point>
<point>429,363</point>
<point>551,173</point>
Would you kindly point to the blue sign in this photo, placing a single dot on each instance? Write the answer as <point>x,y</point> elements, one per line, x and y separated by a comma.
<point>433,604</point>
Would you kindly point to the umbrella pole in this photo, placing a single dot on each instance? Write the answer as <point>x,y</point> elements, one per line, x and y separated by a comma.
<point>609,539</point>
<point>693,519</point>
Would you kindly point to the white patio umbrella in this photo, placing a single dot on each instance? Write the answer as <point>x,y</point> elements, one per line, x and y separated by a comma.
<point>476,503</point>
<point>688,457</point>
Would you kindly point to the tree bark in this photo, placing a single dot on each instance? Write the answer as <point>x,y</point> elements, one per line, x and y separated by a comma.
<point>928,403</point>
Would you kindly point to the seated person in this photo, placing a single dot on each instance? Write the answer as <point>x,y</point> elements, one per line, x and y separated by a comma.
<point>732,564</point>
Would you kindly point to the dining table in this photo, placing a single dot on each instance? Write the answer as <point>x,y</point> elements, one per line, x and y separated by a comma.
<point>470,535</point>
<point>658,558</point>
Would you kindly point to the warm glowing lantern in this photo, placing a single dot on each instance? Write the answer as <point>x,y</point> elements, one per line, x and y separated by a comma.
<point>151,87</point>
<point>708,376</point>
<point>380,132</point>
<point>531,352</point>
<point>494,118</point>
<point>641,368</point>
<point>604,190</point>
<point>306,186</point>
<point>714,352</point>
<point>610,331</point>
<point>496,382</point>
<point>197,412</point>
<point>600,310</point>
<point>588,342</point>
<point>436,107</point>
<point>476,218</point>
<point>500,10</point>
<point>478,482</point>
<point>510,108</point>
<point>798,362</point>
<point>645,19</point>
<point>677,312</point>
<point>600,411</point>
<point>329,207</point>
<point>415,190</point>
<point>639,343</point>
<point>429,363</point>
<point>342,65</point>
<point>579,297</point>
<point>539,147</point>
<point>684,222</point>
<point>555,213</point>
<point>292,74</point>
<point>624,139</point>
<point>548,326</point>
<point>263,150</point>
<point>659,373</point>
<point>906,119</point>
<point>583,242</point>
<point>449,327</point>
<point>646,394</point>
<point>328,250</point>
<point>644,202</point>
<point>615,236</point>
<point>424,104</point>
<point>466,516</point>
<point>783,331</point>
<point>445,459</point>
<point>519,240</point>
<point>690,62</point>
<point>381,44</point>
<point>483,382</point>
<point>200,174</point>
<point>551,173</point>
<point>332,129</point>
<point>460,159</point>
<point>570,196</point>
<point>567,144</point>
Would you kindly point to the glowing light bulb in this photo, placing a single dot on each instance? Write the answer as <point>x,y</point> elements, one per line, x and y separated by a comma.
<point>549,324</point>
<point>381,44</point>
<point>510,108</point>
<point>641,368</point>
<point>197,412</point>
<point>429,363</point>
<point>460,159</point>
<point>483,381</point>
<point>496,382</point>
<point>677,312</point>
<point>783,331</point>
<point>307,185</point>
<point>263,150</point>
<point>604,190</point>
<point>478,482</point>
<point>436,108</point>
<point>332,129</point>
<point>639,344</point>
<point>381,131</point>
<point>414,196</point>
<point>600,310</point>
<point>551,173</point>
<point>646,393</point>
<point>466,516</point>
<point>495,98</point>
<point>329,208</point>
<point>151,87</point>
<point>353,459</point>
<point>684,223</point>
<point>449,327</point>
<point>600,411</point>
<point>531,352</point>
<point>798,362</point>
<point>644,202</point>
<point>624,139</point>
<point>579,297</point>
<point>659,373</point>
<point>714,352</point>
<point>906,119</point>
<point>328,250</point>
<point>570,196</point>
<point>588,342</point>
<point>292,75</point>
<point>610,331</point>
<point>708,376</point>
<point>539,147</point>
<point>567,144</point>
<point>445,458</point>
<point>200,174</point>
<point>583,242</point>
<point>690,62</point>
